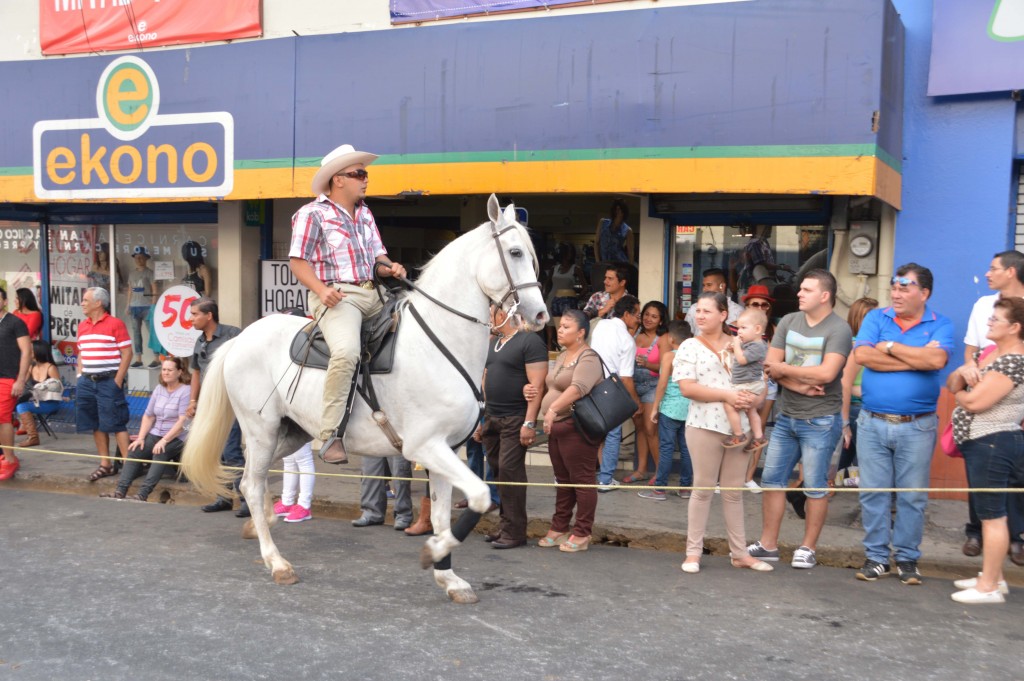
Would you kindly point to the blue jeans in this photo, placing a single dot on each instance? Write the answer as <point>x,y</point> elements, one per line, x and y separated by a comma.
<point>610,456</point>
<point>894,455</point>
<point>476,459</point>
<point>672,435</point>
<point>810,441</point>
<point>232,453</point>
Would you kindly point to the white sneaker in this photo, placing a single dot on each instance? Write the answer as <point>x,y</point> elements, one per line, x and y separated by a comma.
<point>973,583</point>
<point>975,597</point>
<point>804,558</point>
<point>612,485</point>
<point>752,486</point>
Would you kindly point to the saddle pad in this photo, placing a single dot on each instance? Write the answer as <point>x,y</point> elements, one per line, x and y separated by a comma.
<point>316,354</point>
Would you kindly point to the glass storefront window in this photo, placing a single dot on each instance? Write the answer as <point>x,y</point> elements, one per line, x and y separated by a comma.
<point>19,258</point>
<point>154,258</point>
<point>767,255</point>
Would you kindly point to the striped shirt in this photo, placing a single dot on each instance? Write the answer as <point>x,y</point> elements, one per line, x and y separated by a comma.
<point>100,343</point>
<point>340,248</point>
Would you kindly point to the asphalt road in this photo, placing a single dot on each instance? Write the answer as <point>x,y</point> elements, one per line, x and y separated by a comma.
<point>97,589</point>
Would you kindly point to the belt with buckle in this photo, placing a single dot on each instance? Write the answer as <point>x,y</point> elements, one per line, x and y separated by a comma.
<point>369,284</point>
<point>102,376</point>
<point>899,418</point>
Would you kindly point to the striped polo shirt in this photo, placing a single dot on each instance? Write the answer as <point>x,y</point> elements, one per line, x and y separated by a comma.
<point>100,343</point>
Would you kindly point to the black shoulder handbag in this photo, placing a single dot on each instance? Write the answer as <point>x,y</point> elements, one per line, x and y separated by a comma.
<point>606,406</point>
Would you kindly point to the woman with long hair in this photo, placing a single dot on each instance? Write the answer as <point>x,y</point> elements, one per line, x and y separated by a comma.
<point>45,392</point>
<point>651,343</point>
<point>701,369</point>
<point>27,310</point>
<point>852,374</point>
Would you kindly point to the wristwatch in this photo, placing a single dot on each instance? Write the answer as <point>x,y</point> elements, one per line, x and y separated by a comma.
<point>529,424</point>
<point>888,347</point>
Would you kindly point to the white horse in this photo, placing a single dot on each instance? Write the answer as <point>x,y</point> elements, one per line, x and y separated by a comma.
<point>426,398</point>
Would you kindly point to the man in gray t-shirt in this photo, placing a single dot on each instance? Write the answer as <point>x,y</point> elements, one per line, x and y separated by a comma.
<point>806,359</point>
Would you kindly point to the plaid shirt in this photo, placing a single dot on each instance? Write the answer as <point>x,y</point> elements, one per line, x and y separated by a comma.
<point>338,246</point>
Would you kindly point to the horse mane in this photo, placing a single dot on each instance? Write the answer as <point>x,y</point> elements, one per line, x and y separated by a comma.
<point>478,238</point>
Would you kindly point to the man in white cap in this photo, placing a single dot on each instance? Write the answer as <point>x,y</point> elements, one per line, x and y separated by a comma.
<point>334,250</point>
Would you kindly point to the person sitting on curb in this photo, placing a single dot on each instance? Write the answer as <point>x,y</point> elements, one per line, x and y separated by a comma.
<point>162,433</point>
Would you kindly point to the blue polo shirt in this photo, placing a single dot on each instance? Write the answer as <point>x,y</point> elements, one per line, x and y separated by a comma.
<point>903,392</point>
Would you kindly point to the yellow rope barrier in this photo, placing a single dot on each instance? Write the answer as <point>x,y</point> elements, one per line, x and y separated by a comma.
<point>664,488</point>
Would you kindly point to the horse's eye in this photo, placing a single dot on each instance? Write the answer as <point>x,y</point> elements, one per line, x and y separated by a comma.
<point>516,252</point>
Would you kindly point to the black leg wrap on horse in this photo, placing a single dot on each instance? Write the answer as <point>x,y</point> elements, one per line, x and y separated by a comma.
<point>465,524</point>
<point>444,564</point>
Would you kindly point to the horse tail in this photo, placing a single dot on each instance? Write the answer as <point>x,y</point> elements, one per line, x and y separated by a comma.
<point>200,462</point>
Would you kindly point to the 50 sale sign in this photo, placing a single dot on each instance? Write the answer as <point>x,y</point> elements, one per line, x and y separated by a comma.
<point>173,320</point>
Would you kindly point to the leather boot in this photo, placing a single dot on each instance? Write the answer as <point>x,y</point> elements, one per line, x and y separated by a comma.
<point>28,422</point>
<point>422,525</point>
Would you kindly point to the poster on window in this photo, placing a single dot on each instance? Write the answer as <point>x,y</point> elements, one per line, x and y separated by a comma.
<point>70,26</point>
<point>72,270</point>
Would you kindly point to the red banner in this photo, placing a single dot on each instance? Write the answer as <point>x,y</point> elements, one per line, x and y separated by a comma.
<point>68,26</point>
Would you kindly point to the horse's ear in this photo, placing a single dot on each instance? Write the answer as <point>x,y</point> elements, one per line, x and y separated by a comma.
<point>493,209</point>
<point>510,213</point>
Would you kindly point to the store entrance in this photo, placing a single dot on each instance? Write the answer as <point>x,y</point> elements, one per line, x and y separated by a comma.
<point>771,258</point>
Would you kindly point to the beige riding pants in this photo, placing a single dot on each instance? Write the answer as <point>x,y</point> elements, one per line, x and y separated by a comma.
<point>341,326</point>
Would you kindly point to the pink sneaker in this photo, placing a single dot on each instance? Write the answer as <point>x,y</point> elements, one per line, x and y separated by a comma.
<point>298,514</point>
<point>281,510</point>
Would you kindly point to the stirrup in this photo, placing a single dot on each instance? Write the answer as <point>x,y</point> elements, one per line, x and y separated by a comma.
<point>334,440</point>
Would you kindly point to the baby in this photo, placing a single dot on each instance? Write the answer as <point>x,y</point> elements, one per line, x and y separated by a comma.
<point>749,352</point>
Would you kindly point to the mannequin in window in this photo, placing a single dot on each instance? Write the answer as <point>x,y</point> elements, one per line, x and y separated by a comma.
<point>142,295</point>
<point>199,276</point>
<point>99,274</point>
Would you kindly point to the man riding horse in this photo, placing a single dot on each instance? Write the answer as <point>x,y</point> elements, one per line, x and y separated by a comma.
<point>334,250</point>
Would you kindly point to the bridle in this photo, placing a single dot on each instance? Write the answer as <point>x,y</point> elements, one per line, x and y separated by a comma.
<point>513,287</point>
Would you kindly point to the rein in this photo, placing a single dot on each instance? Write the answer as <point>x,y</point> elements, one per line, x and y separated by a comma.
<point>513,288</point>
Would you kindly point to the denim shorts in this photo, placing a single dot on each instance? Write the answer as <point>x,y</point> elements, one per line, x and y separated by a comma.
<point>995,460</point>
<point>100,406</point>
<point>808,441</point>
<point>646,385</point>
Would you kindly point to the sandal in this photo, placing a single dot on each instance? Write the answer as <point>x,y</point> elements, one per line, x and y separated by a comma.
<point>136,497</point>
<point>103,472</point>
<point>548,542</point>
<point>734,441</point>
<point>756,445</point>
<point>571,546</point>
<point>634,478</point>
<point>116,494</point>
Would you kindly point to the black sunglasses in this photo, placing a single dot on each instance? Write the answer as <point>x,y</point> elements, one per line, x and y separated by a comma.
<point>357,174</point>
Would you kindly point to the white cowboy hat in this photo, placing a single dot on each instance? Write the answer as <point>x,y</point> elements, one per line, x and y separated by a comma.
<point>342,157</point>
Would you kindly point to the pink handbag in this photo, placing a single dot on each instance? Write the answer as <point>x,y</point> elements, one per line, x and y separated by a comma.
<point>948,444</point>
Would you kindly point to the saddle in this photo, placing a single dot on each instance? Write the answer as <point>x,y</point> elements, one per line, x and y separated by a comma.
<point>378,340</point>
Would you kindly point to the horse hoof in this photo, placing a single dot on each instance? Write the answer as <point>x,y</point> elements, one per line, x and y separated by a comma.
<point>426,557</point>
<point>463,596</point>
<point>286,577</point>
<point>249,530</point>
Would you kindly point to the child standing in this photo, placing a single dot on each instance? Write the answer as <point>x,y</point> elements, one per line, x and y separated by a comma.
<point>748,352</point>
<point>671,419</point>
<point>298,478</point>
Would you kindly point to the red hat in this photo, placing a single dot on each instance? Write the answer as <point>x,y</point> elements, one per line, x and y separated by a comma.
<point>758,291</point>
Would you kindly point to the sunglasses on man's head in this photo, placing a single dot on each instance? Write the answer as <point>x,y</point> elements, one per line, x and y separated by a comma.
<point>357,174</point>
<point>761,305</point>
<point>903,281</point>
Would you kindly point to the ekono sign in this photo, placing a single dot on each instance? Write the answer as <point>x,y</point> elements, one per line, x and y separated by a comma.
<point>130,150</point>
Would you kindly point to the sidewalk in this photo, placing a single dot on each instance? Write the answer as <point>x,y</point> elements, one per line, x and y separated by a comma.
<point>623,518</point>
